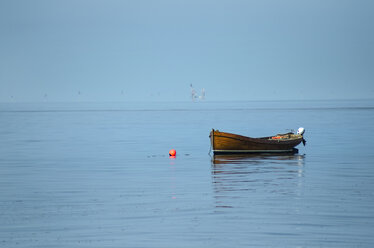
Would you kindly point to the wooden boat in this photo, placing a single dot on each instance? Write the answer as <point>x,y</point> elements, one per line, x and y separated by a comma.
<point>223,143</point>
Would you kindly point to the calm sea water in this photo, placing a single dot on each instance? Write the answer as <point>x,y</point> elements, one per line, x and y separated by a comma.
<point>99,175</point>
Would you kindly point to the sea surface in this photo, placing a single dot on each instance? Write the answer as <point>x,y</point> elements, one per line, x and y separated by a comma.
<point>99,175</point>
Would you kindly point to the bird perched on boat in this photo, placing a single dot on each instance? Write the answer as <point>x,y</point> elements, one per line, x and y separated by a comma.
<point>301,131</point>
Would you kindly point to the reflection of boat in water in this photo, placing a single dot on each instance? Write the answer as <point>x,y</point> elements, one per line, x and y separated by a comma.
<point>242,179</point>
<point>223,142</point>
<point>230,163</point>
<point>239,158</point>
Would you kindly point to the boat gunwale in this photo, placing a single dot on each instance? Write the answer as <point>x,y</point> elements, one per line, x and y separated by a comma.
<point>255,140</point>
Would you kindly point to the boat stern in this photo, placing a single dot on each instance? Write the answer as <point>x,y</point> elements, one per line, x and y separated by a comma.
<point>211,137</point>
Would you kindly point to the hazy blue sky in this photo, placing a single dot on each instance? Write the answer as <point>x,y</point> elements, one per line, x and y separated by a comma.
<point>153,50</point>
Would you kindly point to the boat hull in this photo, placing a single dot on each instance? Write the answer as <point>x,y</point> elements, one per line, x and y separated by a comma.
<point>228,143</point>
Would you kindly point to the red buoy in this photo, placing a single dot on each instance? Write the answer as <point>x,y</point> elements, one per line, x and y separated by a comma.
<point>172,152</point>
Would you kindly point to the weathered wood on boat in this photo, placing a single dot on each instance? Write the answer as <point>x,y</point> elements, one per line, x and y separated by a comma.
<point>223,142</point>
